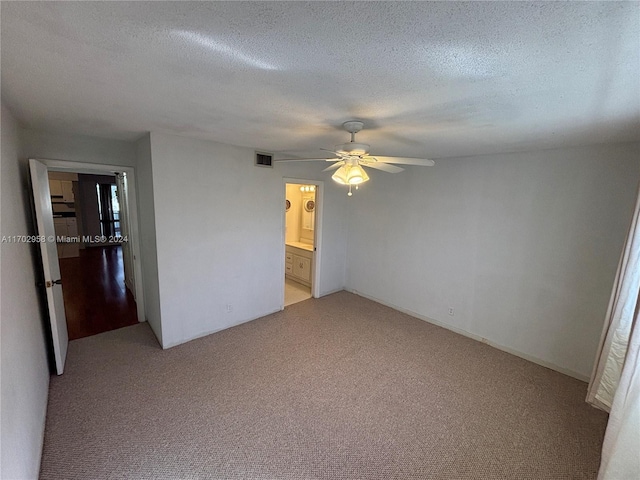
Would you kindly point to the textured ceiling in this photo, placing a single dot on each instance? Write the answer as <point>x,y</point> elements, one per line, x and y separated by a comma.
<point>428,79</point>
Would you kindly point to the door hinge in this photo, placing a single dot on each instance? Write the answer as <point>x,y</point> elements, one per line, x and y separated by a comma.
<point>50,283</point>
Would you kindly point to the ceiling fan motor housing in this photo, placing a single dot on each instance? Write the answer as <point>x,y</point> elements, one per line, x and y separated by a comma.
<point>353,126</point>
<point>352,148</point>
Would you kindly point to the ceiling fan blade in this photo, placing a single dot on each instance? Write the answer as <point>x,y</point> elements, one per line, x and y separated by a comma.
<point>382,166</point>
<point>334,166</point>
<point>307,160</point>
<point>406,161</point>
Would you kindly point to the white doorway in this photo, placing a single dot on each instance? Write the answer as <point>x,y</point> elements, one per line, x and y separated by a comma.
<point>301,240</point>
<point>44,194</point>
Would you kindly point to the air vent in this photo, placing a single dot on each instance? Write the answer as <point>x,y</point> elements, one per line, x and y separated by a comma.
<point>264,159</point>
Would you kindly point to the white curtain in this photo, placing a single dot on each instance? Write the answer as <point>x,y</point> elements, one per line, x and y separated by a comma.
<point>615,382</point>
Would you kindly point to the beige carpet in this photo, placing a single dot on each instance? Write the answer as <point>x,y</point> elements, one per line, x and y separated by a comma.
<point>332,388</point>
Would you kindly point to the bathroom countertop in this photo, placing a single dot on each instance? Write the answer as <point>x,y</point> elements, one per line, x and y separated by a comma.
<point>304,246</point>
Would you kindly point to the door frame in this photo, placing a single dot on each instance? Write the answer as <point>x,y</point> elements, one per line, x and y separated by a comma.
<point>101,169</point>
<point>122,185</point>
<point>317,232</point>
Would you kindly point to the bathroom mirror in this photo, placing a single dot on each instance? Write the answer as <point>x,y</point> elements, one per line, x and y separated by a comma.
<point>308,212</point>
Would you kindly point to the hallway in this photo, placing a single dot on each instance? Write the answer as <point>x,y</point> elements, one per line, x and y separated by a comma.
<point>96,299</point>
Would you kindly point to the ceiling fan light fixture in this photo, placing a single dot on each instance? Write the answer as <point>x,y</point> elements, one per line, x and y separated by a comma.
<point>350,156</point>
<point>350,175</point>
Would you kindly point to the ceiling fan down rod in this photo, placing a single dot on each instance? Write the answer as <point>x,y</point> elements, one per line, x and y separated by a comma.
<point>353,127</point>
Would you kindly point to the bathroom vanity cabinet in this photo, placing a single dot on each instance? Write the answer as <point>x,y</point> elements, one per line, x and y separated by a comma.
<point>298,263</point>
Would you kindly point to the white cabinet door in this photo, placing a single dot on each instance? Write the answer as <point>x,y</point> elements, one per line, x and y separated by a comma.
<point>72,249</point>
<point>67,228</point>
<point>56,188</point>
<point>306,269</point>
<point>60,225</point>
<point>72,227</point>
<point>297,265</point>
<point>302,268</point>
<point>67,191</point>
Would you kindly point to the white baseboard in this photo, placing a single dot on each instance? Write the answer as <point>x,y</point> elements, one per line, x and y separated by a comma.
<point>175,344</point>
<point>324,294</point>
<point>465,333</point>
<point>207,333</point>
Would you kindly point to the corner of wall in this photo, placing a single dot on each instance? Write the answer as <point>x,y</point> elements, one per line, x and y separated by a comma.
<point>148,245</point>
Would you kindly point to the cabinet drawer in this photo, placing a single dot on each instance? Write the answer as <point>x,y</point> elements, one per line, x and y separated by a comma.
<point>289,257</point>
<point>289,268</point>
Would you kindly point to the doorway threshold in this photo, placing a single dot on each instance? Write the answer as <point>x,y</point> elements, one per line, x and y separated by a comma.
<point>295,292</point>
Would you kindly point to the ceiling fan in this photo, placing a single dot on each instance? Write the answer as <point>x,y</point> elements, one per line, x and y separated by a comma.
<point>350,157</point>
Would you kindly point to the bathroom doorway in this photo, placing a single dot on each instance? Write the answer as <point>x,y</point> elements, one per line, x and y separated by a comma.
<point>300,241</point>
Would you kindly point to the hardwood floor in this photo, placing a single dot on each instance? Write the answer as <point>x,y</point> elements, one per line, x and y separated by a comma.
<point>95,297</point>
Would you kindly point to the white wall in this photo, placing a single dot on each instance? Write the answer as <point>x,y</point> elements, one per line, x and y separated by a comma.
<point>24,366</point>
<point>524,246</point>
<point>77,148</point>
<point>147,225</point>
<point>219,229</point>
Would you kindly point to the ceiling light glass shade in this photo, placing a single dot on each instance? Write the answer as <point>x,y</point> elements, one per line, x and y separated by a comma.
<point>341,175</point>
<point>357,175</point>
<point>350,175</point>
